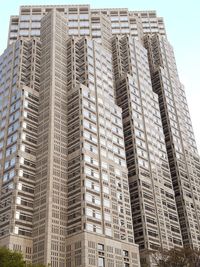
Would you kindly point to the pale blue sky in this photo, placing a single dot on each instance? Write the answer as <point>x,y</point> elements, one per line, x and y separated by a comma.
<point>182,20</point>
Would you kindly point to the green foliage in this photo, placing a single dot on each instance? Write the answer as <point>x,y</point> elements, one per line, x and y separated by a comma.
<point>9,258</point>
<point>177,257</point>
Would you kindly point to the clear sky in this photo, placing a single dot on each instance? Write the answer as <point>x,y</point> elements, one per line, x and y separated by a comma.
<point>182,20</point>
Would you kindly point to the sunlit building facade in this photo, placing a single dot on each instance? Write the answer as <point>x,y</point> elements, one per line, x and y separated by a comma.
<point>97,153</point>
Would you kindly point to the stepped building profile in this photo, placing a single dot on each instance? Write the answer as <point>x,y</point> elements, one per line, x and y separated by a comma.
<point>98,161</point>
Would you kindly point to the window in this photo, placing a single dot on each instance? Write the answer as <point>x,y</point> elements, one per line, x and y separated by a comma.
<point>106,190</point>
<point>13,127</point>
<point>105,176</point>
<point>93,213</point>
<point>11,150</point>
<point>107,217</point>
<point>1,144</point>
<point>125,253</point>
<point>11,139</point>
<point>2,134</point>
<point>9,163</point>
<point>89,212</point>
<point>106,203</point>
<point>25,18</point>
<point>101,262</point>
<point>108,231</point>
<point>93,199</point>
<point>14,117</point>
<point>100,246</point>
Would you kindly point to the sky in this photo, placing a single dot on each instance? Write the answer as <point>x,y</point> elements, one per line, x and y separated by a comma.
<point>183,30</point>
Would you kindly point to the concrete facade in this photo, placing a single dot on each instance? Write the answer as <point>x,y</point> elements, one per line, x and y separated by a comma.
<point>97,153</point>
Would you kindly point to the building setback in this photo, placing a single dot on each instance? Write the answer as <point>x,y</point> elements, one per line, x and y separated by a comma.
<point>179,137</point>
<point>97,152</point>
<point>155,218</point>
<point>19,124</point>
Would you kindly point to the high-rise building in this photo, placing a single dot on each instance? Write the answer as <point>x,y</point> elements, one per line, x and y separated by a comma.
<point>97,153</point>
<point>154,210</point>
<point>19,78</point>
<point>183,158</point>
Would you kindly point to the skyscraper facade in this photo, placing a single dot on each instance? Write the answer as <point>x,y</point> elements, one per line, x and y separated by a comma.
<point>97,153</point>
